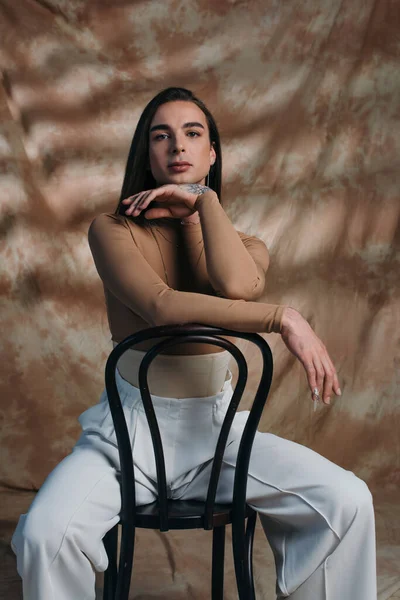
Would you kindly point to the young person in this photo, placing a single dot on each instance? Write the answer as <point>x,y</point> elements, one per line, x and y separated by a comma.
<point>170,255</point>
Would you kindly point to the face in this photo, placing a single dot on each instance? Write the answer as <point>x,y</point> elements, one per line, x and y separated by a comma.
<point>180,150</point>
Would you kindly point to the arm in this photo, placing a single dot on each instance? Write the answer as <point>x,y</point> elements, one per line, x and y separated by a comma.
<point>127,274</point>
<point>235,264</point>
<point>235,267</point>
<point>194,248</point>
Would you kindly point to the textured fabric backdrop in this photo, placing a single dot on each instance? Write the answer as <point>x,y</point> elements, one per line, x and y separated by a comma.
<point>307,98</point>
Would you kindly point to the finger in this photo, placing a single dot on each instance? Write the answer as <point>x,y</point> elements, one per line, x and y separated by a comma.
<point>143,200</point>
<point>136,197</point>
<point>138,204</point>
<point>331,368</point>
<point>133,200</point>
<point>336,385</point>
<point>148,197</point>
<point>319,377</point>
<point>328,380</point>
<point>129,199</point>
<point>157,213</point>
<point>311,376</point>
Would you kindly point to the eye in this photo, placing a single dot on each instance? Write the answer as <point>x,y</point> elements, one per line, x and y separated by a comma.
<point>193,134</point>
<point>161,136</point>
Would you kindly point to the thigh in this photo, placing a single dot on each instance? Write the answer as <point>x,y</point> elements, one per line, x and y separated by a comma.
<point>295,484</point>
<point>89,477</point>
<point>73,481</point>
<point>80,500</point>
<point>290,482</point>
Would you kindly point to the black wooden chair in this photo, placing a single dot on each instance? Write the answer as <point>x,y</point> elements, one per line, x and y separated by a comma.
<point>167,514</point>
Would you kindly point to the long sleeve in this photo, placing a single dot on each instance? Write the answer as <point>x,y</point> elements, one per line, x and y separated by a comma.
<point>192,237</point>
<point>127,274</point>
<point>236,263</point>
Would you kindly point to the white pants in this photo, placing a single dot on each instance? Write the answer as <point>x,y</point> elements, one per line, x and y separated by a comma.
<point>318,517</point>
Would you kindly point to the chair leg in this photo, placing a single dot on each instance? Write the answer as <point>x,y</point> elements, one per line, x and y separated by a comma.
<point>110,575</point>
<point>250,529</point>
<point>242,546</point>
<point>218,555</point>
<point>125,561</point>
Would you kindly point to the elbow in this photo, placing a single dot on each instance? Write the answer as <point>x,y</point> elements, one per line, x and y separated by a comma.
<point>163,318</point>
<point>158,318</point>
<point>250,294</point>
<point>163,312</point>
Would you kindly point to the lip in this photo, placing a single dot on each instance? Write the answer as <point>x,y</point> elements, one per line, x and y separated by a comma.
<point>180,163</point>
<point>179,168</point>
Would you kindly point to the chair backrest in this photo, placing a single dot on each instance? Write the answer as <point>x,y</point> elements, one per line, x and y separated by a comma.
<point>183,334</point>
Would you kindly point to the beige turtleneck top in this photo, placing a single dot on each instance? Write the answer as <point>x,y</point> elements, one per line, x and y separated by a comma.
<point>208,273</point>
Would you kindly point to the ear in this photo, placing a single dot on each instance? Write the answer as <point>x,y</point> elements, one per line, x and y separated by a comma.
<point>213,155</point>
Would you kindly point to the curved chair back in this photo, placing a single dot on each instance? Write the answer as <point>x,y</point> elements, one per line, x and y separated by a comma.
<point>176,334</point>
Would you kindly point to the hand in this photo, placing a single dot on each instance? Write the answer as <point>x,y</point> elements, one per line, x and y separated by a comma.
<point>178,201</point>
<point>301,340</point>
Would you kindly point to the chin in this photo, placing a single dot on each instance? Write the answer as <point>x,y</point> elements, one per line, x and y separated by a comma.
<point>180,178</point>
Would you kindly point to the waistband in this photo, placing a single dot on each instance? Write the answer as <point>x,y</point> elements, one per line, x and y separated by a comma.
<point>130,396</point>
<point>178,376</point>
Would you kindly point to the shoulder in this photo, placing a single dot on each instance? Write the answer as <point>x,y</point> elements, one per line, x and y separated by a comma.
<point>106,220</point>
<point>109,224</point>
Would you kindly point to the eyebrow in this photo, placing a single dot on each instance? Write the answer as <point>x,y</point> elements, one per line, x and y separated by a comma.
<point>163,126</point>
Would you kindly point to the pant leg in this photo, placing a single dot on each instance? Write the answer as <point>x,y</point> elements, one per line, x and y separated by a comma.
<point>318,517</point>
<point>58,543</point>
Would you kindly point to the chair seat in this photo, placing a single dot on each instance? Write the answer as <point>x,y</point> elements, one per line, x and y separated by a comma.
<point>184,514</point>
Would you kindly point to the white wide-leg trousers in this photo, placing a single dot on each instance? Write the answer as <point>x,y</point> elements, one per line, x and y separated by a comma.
<point>318,517</point>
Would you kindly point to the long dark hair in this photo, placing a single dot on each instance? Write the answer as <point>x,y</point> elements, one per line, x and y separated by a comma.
<point>138,176</point>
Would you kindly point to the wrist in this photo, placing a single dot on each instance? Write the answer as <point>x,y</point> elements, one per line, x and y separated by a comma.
<point>194,219</point>
<point>290,317</point>
<point>207,196</point>
<point>203,192</point>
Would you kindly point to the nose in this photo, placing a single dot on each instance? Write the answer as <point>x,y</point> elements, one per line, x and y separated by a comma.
<point>178,147</point>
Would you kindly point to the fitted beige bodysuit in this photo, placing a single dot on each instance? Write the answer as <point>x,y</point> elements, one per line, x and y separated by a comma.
<point>129,262</point>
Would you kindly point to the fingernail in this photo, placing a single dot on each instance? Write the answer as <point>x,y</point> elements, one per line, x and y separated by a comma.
<point>315,394</point>
<point>339,392</point>
<point>328,400</point>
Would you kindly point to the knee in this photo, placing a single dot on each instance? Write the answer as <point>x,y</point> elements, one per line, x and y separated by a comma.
<point>37,534</point>
<point>358,494</point>
<point>353,501</point>
<point>364,496</point>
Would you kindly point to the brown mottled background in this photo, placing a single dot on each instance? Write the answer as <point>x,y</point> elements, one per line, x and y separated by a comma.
<point>307,97</point>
